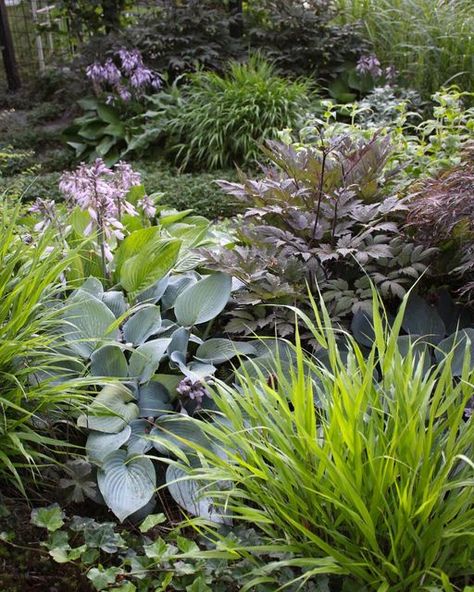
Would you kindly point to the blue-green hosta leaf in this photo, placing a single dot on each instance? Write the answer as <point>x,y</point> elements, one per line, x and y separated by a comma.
<point>195,370</point>
<point>178,432</point>
<point>362,328</point>
<point>112,409</point>
<point>94,287</point>
<point>459,342</point>
<point>100,445</point>
<point>155,292</point>
<point>176,286</point>
<point>115,300</point>
<point>145,360</point>
<point>87,322</point>
<point>151,264</point>
<point>142,325</point>
<point>109,360</point>
<point>189,495</point>
<point>179,341</point>
<point>139,442</point>
<point>127,484</point>
<point>219,350</point>
<point>204,300</point>
<point>154,399</point>
<point>422,319</point>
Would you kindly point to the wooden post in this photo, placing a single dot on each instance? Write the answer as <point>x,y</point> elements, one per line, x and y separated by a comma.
<point>8,51</point>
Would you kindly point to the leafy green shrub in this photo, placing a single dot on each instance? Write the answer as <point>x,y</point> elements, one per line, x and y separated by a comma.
<point>360,465</point>
<point>429,41</point>
<point>30,282</point>
<point>223,119</point>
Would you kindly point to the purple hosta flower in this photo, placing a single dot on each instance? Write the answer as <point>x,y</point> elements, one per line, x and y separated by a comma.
<point>130,59</point>
<point>102,191</point>
<point>46,208</point>
<point>124,94</point>
<point>112,74</point>
<point>95,72</point>
<point>195,391</point>
<point>369,64</point>
<point>147,206</point>
<point>391,74</point>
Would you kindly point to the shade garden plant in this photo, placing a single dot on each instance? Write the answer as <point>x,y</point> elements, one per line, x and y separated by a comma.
<point>236,325</point>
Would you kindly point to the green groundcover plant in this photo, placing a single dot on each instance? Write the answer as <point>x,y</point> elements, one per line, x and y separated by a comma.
<point>361,466</point>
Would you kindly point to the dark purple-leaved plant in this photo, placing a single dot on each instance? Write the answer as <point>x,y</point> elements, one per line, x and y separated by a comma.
<point>319,218</point>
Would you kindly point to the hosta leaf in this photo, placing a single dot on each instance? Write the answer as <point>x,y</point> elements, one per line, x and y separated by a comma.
<point>145,360</point>
<point>459,341</point>
<point>109,360</point>
<point>204,300</point>
<point>142,325</point>
<point>362,328</point>
<point>115,300</point>
<point>187,493</point>
<point>422,319</point>
<point>178,432</point>
<point>221,350</point>
<point>100,445</point>
<point>176,286</point>
<point>127,484</point>
<point>111,410</point>
<point>153,399</point>
<point>139,442</point>
<point>133,244</point>
<point>152,263</point>
<point>155,292</point>
<point>87,322</point>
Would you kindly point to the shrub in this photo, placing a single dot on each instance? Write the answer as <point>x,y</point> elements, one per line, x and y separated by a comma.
<point>429,41</point>
<point>441,214</point>
<point>361,466</point>
<point>222,120</point>
<point>318,216</point>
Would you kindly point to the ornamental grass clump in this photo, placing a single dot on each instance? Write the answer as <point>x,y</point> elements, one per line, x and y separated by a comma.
<point>361,466</point>
<point>222,120</point>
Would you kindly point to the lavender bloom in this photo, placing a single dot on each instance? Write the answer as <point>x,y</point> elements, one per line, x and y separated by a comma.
<point>111,73</point>
<point>47,209</point>
<point>391,73</point>
<point>469,410</point>
<point>369,64</point>
<point>192,390</point>
<point>130,59</point>
<point>124,94</point>
<point>101,192</point>
<point>95,72</point>
<point>147,206</point>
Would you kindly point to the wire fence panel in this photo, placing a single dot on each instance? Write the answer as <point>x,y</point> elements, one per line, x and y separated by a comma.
<point>39,37</point>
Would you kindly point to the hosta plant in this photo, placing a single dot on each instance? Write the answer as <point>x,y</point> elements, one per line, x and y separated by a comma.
<point>361,466</point>
<point>155,338</point>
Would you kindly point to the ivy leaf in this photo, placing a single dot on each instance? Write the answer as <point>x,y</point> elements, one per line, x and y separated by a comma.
<point>51,517</point>
<point>151,521</point>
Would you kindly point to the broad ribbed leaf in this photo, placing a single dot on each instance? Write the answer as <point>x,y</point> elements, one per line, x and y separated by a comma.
<point>115,300</point>
<point>109,360</point>
<point>188,494</point>
<point>153,399</point>
<point>142,325</point>
<point>145,360</point>
<point>127,484</point>
<point>155,292</point>
<point>87,322</point>
<point>204,300</point>
<point>177,432</point>
<point>111,410</point>
<point>100,445</point>
<point>422,319</point>
<point>152,263</point>
<point>133,244</point>
<point>139,442</point>
<point>219,350</point>
<point>460,341</point>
